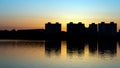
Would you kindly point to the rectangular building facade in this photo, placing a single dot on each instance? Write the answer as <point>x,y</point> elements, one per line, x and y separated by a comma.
<point>75,29</point>
<point>107,29</point>
<point>52,28</point>
<point>92,30</point>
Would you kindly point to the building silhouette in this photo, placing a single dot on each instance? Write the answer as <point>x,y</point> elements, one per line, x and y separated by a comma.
<point>53,30</point>
<point>76,29</point>
<point>92,30</point>
<point>107,29</point>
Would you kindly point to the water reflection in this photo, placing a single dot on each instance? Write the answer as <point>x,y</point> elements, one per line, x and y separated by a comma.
<point>75,47</point>
<point>52,46</point>
<point>21,43</point>
<point>108,47</point>
<point>92,46</point>
<point>69,54</point>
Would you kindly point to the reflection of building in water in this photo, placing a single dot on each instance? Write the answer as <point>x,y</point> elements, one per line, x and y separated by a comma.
<point>107,47</point>
<point>92,46</point>
<point>74,47</point>
<point>52,47</point>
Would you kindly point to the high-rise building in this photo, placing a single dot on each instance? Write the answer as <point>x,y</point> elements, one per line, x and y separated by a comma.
<point>107,29</point>
<point>52,28</point>
<point>92,30</point>
<point>75,29</point>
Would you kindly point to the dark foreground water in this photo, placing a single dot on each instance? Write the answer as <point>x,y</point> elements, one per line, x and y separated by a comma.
<point>59,54</point>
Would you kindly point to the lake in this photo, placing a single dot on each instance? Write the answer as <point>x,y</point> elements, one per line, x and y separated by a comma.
<point>59,54</point>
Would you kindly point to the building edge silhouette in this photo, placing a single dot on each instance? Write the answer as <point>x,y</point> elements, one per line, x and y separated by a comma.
<point>74,31</point>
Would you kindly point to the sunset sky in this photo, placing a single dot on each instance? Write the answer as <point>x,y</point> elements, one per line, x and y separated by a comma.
<point>32,14</point>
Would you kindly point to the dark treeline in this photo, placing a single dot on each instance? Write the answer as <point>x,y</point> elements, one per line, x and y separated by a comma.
<point>74,31</point>
<point>23,34</point>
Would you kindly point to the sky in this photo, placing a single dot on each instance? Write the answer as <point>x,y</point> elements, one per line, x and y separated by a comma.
<point>33,14</point>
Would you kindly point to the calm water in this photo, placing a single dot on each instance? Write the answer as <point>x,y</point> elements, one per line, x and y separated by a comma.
<point>59,54</point>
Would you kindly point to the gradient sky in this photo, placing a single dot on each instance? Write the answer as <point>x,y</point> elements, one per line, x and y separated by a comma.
<point>32,14</point>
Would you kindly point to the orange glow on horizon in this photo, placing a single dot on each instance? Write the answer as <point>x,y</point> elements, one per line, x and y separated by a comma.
<point>39,22</point>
